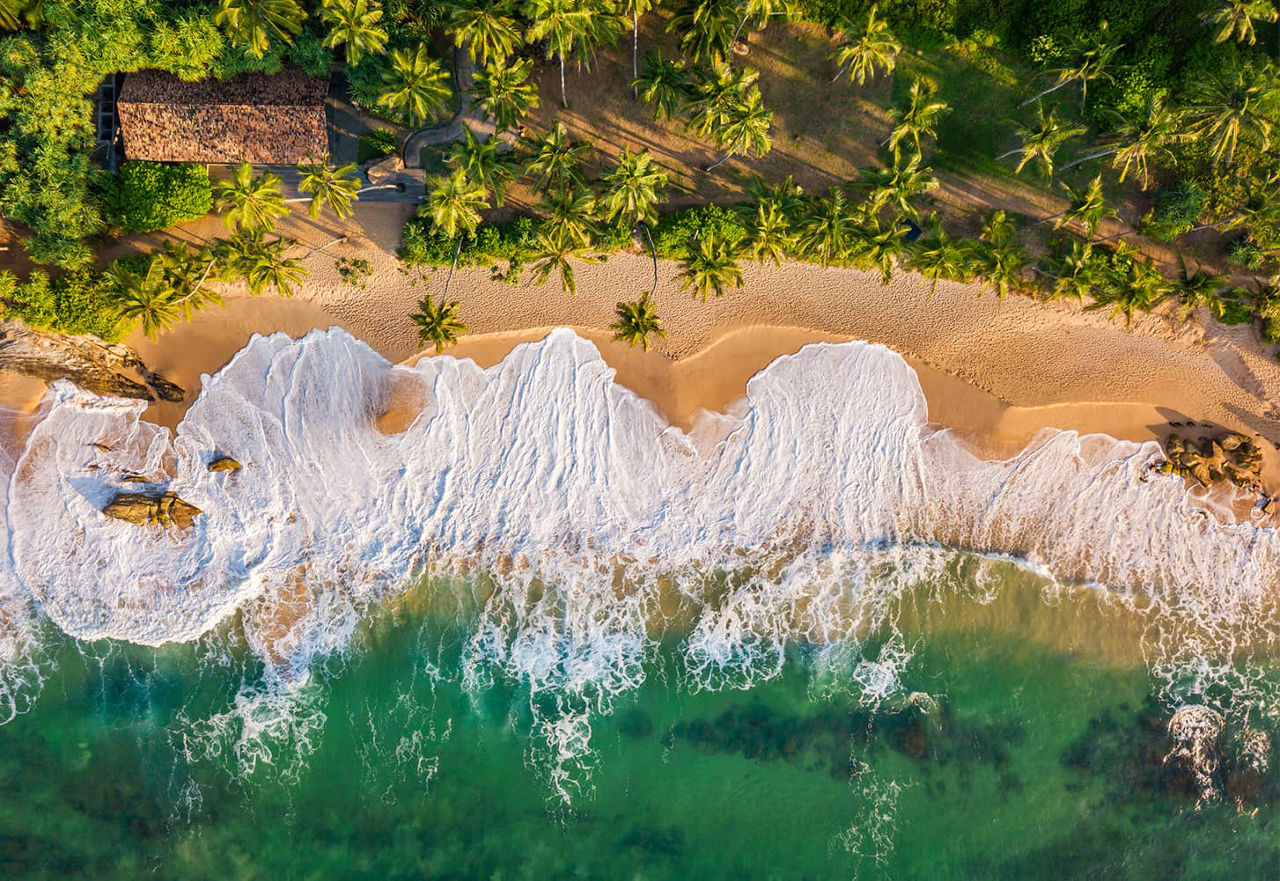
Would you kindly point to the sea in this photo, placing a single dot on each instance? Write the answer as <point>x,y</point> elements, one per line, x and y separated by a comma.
<point>528,629</point>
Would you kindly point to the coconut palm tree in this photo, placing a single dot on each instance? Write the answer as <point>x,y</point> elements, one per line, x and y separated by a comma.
<point>571,28</point>
<point>1041,141</point>
<point>770,232</point>
<point>488,27</point>
<point>335,187</point>
<point>633,189</point>
<point>760,11</point>
<point>867,50</point>
<point>636,321</point>
<point>1238,106</point>
<point>898,187</point>
<point>249,202</point>
<point>710,268</point>
<point>557,161</point>
<point>786,193</point>
<point>187,272</point>
<point>1140,142</point>
<point>438,323</point>
<point>1092,62</point>
<point>663,84</point>
<point>145,296</point>
<point>1196,289</point>
<point>483,162</point>
<point>879,247</point>
<point>11,14</point>
<point>1087,207</point>
<point>719,87</point>
<point>555,252</point>
<point>828,230</point>
<point>633,9</point>
<point>568,216</point>
<point>254,23</point>
<point>453,205</point>
<point>919,119</point>
<point>1142,288</point>
<point>354,24</point>
<point>744,128</point>
<point>706,28</point>
<point>503,91</point>
<point>1000,258</point>
<point>1237,17</point>
<point>938,257</point>
<point>1074,272</point>
<point>270,268</point>
<point>415,85</point>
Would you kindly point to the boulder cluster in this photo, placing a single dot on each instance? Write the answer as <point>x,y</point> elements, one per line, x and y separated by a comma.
<point>1232,457</point>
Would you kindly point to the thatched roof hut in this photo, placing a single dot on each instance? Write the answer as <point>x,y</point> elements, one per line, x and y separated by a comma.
<point>266,120</point>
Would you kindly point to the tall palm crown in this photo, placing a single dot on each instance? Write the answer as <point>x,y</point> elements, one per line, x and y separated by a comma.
<point>249,202</point>
<point>636,321</point>
<point>1239,106</point>
<point>1236,18</point>
<point>1074,272</point>
<point>919,119</point>
<point>663,85</point>
<point>1145,140</point>
<point>253,23</point>
<point>354,24</point>
<point>1088,207</point>
<point>482,162</point>
<point>1001,258</point>
<point>939,257</point>
<point>868,50</point>
<point>268,267</point>
<point>144,296</point>
<point>706,29</point>
<point>720,87</point>
<point>568,216</point>
<point>1092,62</point>
<point>438,323</point>
<point>897,187</point>
<point>1042,140</point>
<point>829,229</point>
<point>744,128</point>
<point>571,28</point>
<point>710,268</point>
<point>557,161</point>
<point>633,189</point>
<point>335,188</point>
<point>503,91</point>
<point>415,85</point>
<point>490,29</point>
<point>1196,289</point>
<point>771,231</point>
<point>454,203</point>
<point>555,252</point>
<point>879,247</point>
<point>186,272</point>
<point>1142,288</point>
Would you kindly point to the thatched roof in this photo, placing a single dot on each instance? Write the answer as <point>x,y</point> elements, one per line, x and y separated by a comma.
<point>267,120</point>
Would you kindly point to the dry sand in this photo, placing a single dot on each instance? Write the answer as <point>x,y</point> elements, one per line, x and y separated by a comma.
<point>996,371</point>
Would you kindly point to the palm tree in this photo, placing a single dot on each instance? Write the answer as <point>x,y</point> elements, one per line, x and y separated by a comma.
<point>938,257</point>
<point>334,187</point>
<point>1042,141</point>
<point>871,49</point>
<point>453,204</point>
<point>919,119</point>
<point>633,189</point>
<point>1142,288</point>
<point>1093,58</point>
<point>786,193</point>
<point>503,91</point>
<point>253,23</point>
<point>898,186</point>
<point>570,27</point>
<point>829,229</point>
<point>744,128</point>
<point>1237,17</point>
<point>880,247</point>
<point>438,324</point>
<point>711,268</point>
<point>415,85</point>
<point>488,27</point>
<point>719,87</point>
<point>146,297</point>
<point>1088,207</point>
<point>634,9</point>
<point>557,161</point>
<point>556,253</point>
<point>1074,272</point>
<point>663,85</point>
<point>1000,258</point>
<point>249,202</point>
<point>760,11</point>
<point>706,28</point>
<point>186,273</point>
<point>270,267</point>
<point>1140,142</point>
<point>483,163</point>
<point>354,23</point>
<point>636,321</point>
<point>567,216</point>
<point>1196,289</point>
<point>1228,109</point>
<point>770,232</point>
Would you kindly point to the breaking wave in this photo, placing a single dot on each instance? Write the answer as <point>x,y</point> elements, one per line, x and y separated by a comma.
<point>584,527</point>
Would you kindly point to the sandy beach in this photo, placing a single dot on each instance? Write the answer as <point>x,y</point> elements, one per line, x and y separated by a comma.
<point>997,371</point>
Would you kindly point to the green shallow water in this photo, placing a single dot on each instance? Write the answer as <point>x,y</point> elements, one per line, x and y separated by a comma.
<point>1038,753</point>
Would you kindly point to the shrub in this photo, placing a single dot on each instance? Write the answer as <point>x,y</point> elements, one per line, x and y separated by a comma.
<point>1176,212</point>
<point>76,302</point>
<point>674,232</point>
<point>1234,307</point>
<point>507,241</point>
<point>146,196</point>
<point>1247,253</point>
<point>377,143</point>
<point>309,53</point>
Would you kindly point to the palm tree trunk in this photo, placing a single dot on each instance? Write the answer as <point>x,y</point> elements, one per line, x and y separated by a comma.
<point>736,32</point>
<point>635,52</point>
<point>1084,159</point>
<point>723,159</point>
<point>1052,217</point>
<point>653,252</point>
<point>453,266</point>
<point>564,99</point>
<point>1007,155</point>
<point>1047,91</point>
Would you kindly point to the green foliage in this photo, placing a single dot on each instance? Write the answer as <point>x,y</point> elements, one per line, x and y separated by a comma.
<point>1247,253</point>
<point>376,143</point>
<point>77,302</point>
<point>146,196</point>
<point>675,233</point>
<point>426,246</point>
<point>311,54</point>
<point>1234,307</point>
<point>1176,211</point>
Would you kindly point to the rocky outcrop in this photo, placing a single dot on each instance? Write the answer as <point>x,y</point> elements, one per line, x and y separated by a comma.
<point>224,463</point>
<point>109,370</point>
<point>163,509</point>
<point>1232,457</point>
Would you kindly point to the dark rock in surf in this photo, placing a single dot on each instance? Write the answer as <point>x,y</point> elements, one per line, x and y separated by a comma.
<point>162,509</point>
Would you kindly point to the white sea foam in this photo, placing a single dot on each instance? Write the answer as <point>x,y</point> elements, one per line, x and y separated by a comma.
<point>802,514</point>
